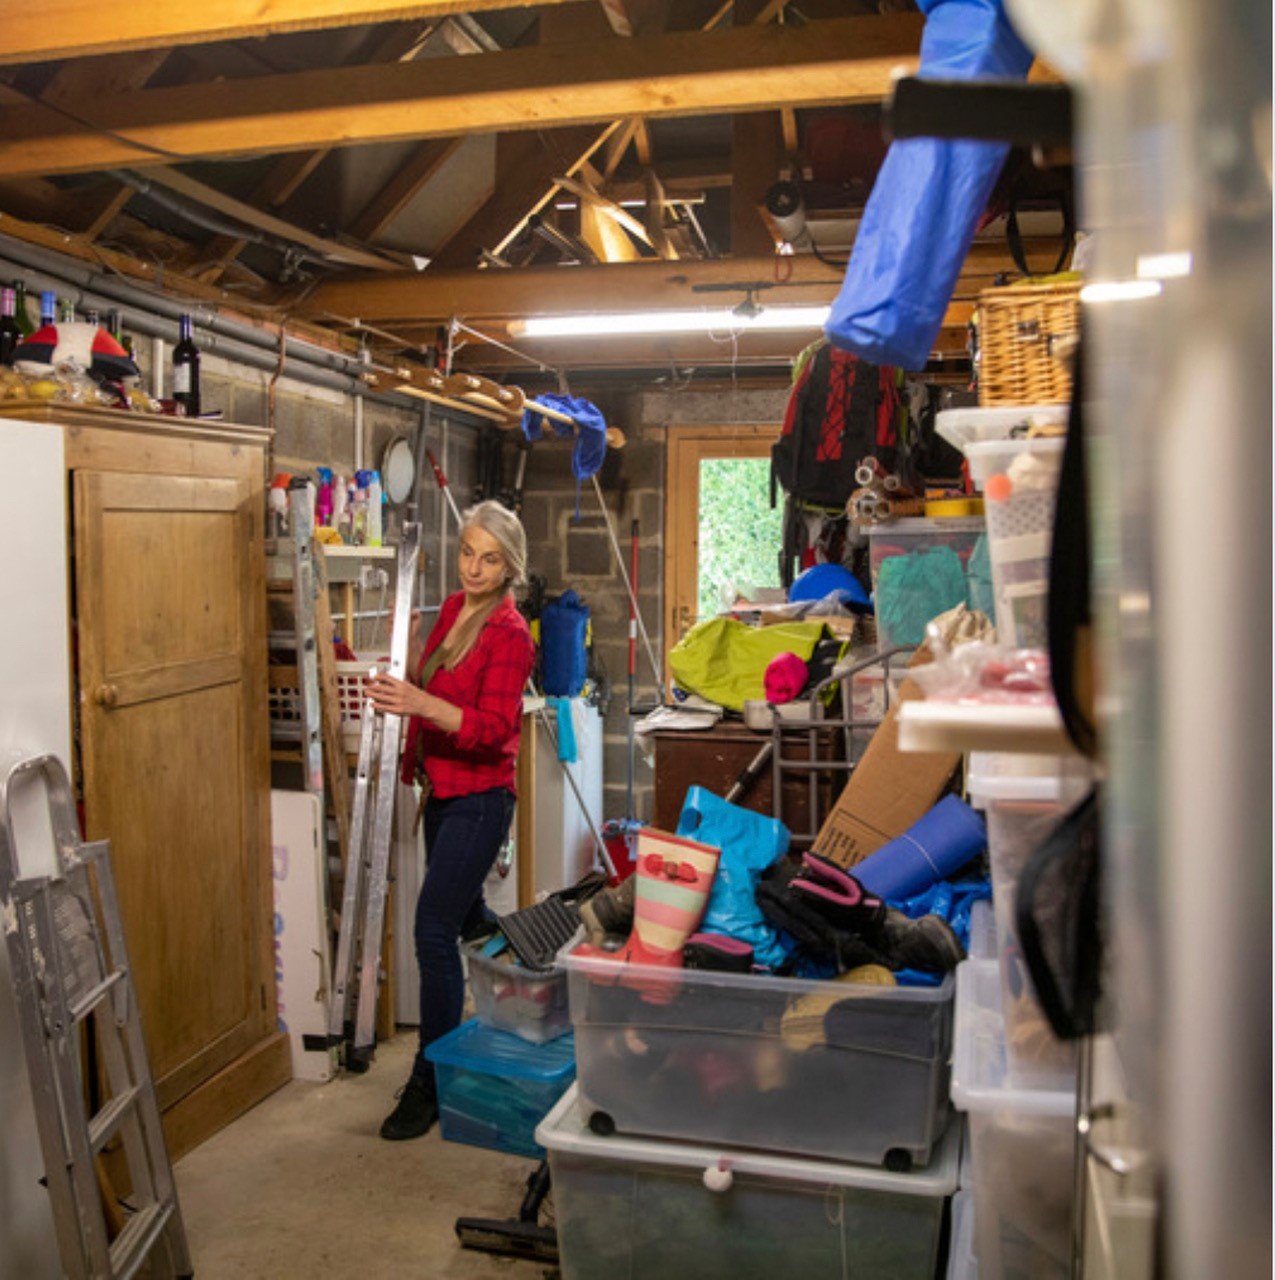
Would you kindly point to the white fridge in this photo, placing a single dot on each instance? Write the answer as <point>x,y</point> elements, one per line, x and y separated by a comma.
<point>35,716</point>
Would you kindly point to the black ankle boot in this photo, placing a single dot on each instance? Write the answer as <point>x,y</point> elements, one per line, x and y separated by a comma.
<point>415,1114</point>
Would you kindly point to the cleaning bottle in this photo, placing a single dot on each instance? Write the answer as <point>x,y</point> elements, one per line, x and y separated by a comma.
<point>324,502</point>
<point>340,507</point>
<point>375,498</point>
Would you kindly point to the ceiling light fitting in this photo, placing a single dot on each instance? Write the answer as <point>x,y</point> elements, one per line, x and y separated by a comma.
<point>746,317</point>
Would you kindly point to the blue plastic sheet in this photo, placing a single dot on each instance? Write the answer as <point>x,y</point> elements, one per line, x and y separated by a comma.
<point>750,842</point>
<point>953,900</point>
<point>927,200</point>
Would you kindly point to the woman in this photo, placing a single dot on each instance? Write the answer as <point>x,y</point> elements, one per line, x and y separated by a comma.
<point>465,704</point>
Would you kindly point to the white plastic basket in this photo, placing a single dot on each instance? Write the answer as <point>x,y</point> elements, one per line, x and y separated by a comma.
<point>284,704</point>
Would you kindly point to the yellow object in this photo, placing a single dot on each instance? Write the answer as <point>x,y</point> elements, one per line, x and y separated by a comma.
<point>328,536</point>
<point>870,975</point>
<point>943,507</point>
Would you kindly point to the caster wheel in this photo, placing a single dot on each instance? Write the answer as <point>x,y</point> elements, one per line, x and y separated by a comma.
<point>602,1124</point>
<point>898,1161</point>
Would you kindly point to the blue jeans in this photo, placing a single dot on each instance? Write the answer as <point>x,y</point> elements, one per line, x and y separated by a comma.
<point>463,835</point>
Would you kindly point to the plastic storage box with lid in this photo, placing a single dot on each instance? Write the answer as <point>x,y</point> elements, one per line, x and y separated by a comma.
<point>827,1069</point>
<point>494,1088</point>
<point>1019,479</point>
<point>649,1210</point>
<point>1022,1143</point>
<point>512,998</point>
<point>1024,798</point>
<point>919,570</point>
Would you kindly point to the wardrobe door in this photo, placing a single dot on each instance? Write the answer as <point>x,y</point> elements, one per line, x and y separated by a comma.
<point>164,611</point>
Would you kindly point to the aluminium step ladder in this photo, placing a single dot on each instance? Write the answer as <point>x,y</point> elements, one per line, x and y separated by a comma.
<point>69,966</point>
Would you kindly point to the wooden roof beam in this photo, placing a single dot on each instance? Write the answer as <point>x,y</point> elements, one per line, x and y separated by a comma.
<point>433,296</point>
<point>680,74</point>
<point>78,28</point>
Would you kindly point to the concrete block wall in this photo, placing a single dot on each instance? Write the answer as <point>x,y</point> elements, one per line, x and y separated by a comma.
<point>576,552</point>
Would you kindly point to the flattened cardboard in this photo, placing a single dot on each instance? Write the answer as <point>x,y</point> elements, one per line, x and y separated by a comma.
<point>887,792</point>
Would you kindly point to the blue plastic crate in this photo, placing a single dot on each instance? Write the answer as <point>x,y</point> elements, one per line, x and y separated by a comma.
<point>494,1088</point>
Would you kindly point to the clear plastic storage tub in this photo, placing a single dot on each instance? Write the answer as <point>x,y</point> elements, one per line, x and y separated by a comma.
<point>1024,798</point>
<point>494,1088</point>
<point>511,998</point>
<point>827,1069</point>
<point>919,569</point>
<point>1022,1143</point>
<point>673,1211</point>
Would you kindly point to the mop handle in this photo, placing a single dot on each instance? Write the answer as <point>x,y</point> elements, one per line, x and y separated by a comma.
<point>444,485</point>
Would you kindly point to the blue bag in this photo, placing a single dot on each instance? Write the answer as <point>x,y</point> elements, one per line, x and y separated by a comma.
<point>564,626</point>
<point>750,842</point>
<point>926,202</point>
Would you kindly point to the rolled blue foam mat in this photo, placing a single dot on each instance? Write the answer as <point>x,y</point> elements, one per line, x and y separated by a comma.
<point>931,849</point>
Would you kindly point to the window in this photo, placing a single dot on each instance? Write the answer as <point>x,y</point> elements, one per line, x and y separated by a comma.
<point>720,536</point>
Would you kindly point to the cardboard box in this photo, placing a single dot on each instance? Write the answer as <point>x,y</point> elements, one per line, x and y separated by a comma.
<point>887,792</point>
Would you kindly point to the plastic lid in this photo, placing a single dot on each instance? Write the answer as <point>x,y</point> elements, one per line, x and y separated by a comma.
<point>980,1074</point>
<point>962,427</point>
<point>564,1130</point>
<point>921,524</point>
<point>994,776</point>
<point>475,1047</point>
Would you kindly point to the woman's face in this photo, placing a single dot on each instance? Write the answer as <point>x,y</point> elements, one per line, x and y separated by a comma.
<point>482,563</point>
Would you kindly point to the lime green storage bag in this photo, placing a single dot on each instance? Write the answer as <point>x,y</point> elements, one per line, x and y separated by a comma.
<point>725,661</point>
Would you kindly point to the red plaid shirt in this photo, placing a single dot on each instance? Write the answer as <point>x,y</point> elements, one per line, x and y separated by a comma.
<point>487,685</point>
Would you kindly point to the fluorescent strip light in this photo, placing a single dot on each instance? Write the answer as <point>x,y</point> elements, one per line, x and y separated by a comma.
<point>610,325</point>
<point>1121,290</point>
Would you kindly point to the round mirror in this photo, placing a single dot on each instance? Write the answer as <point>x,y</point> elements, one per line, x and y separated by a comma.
<point>398,470</point>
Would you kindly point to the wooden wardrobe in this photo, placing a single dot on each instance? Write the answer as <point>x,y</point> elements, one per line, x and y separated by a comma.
<point>168,637</point>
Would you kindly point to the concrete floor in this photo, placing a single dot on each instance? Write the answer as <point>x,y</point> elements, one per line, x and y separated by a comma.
<point>302,1186</point>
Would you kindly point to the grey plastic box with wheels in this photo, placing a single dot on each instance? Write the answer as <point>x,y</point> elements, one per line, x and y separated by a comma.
<point>827,1069</point>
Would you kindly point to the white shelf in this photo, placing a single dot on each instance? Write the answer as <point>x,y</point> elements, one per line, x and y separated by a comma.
<point>950,726</point>
<point>332,551</point>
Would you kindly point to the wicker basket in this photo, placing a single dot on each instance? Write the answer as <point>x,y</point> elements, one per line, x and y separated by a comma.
<point>1016,332</point>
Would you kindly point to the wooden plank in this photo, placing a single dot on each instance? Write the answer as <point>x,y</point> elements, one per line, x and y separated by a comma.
<point>757,154</point>
<point>435,295</point>
<point>409,180</point>
<point>250,215</point>
<point>749,68</point>
<point>78,28</point>
<point>524,162</point>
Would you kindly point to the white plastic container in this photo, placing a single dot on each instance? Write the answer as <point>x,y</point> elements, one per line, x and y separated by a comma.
<point>511,998</point>
<point>644,1210</point>
<point>1024,798</point>
<point>1022,1143</point>
<point>826,1069</point>
<point>961,1263</point>
<point>915,601</point>
<point>1020,531</point>
<point>964,427</point>
<point>983,944</point>
<point>994,457</point>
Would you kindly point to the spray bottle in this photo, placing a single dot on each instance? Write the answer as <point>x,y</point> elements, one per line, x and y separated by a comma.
<point>340,507</point>
<point>323,503</point>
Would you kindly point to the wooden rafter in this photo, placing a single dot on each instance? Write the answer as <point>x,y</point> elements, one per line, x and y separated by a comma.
<point>79,28</point>
<point>524,162</point>
<point>686,73</point>
<point>408,181</point>
<point>434,296</point>
<point>287,173</point>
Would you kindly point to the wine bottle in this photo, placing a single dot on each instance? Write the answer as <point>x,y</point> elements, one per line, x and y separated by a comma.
<point>186,369</point>
<point>10,332</point>
<point>23,316</point>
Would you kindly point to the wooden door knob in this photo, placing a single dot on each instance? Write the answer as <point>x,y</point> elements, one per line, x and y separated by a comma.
<point>107,695</point>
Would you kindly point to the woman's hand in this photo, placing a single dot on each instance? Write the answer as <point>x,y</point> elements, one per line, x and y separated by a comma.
<point>396,697</point>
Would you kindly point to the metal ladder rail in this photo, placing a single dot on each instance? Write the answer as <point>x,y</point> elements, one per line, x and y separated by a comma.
<point>383,815</point>
<point>44,918</point>
<point>817,725</point>
<point>303,591</point>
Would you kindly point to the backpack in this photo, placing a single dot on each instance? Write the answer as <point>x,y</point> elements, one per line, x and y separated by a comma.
<point>842,410</point>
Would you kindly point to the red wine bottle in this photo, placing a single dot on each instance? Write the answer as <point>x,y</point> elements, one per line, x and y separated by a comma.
<point>186,369</point>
